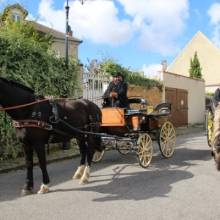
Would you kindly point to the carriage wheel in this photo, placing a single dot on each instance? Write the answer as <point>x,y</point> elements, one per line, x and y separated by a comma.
<point>167,139</point>
<point>209,127</point>
<point>97,156</point>
<point>125,148</point>
<point>145,150</point>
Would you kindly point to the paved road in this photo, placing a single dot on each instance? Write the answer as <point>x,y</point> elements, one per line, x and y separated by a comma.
<point>185,187</point>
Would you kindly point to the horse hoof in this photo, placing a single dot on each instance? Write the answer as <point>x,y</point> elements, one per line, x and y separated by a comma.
<point>79,172</point>
<point>83,181</point>
<point>77,176</point>
<point>43,189</point>
<point>85,178</point>
<point>26,192</point>
<point>217,166</point>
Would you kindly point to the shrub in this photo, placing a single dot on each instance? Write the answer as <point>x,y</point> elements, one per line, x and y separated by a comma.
<point>26,57</point>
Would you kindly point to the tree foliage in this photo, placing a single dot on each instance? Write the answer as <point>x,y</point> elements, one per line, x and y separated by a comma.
<point>132,77</point>
<point>26,57</point>
<point>195,70</point>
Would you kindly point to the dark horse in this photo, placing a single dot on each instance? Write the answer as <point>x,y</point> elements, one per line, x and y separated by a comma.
<point>39,121</point>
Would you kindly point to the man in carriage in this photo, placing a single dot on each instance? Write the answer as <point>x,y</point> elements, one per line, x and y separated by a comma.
<point>116,93</point>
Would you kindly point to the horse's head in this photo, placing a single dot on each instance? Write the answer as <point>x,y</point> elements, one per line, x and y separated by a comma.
<point>13,88</point>
<point>13,94</point>
<point>216,137</point>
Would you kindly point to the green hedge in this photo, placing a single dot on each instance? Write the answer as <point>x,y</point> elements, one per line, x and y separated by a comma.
<point>32,66</point>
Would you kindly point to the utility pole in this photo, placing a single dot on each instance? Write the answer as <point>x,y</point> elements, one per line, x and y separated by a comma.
<point>67,33</point>
<point>66,144</point>
<point>68,30</point>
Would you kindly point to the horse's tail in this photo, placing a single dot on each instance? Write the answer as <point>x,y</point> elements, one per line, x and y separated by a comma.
<point>95,118</point>
<point>97,129</point>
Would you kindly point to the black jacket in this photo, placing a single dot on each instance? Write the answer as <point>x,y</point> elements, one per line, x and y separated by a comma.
<point>122,100</point>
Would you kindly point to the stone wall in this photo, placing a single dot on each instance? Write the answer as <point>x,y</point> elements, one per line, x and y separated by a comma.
<point>153,95</point>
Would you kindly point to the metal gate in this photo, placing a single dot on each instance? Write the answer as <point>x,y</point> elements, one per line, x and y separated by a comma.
<point>95,83</point>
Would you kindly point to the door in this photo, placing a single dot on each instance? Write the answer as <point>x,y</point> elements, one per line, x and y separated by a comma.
<point>179,105</point>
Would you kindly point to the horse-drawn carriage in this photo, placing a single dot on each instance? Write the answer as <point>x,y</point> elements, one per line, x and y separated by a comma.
<point>133,130</point>
<point>38,121</point>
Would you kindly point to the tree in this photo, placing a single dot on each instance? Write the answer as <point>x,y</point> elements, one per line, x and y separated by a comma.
<point>132,77</point>
<point>195,70</point>
<point>25,32</point>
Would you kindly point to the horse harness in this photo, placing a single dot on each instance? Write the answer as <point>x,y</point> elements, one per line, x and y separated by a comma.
<point>35,121</point>
<point>53,120</point>
<point>28,123</point>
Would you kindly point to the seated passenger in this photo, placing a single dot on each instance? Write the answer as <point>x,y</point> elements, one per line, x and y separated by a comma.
<point>116,93</point>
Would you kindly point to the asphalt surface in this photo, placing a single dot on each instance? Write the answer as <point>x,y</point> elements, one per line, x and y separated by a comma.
<point>184,187</point>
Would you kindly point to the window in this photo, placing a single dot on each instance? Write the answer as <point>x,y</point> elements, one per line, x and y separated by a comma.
<point>16,16</point>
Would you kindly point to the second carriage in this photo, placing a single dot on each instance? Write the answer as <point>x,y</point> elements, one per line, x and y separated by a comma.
<point>135,129</point>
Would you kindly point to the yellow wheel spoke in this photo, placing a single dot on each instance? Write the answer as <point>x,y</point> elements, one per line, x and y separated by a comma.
<point>145,150</point>
<point>167,139</point>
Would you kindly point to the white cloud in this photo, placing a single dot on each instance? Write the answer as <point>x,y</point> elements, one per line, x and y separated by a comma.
<point>155,23</point>
<point>152,70</point>
<point>51,17</point>
<point>159,22</point>
<point>214,14</point>
<point>94,20</point>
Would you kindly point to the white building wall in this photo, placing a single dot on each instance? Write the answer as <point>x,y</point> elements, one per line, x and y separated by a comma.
<point>196,95</point>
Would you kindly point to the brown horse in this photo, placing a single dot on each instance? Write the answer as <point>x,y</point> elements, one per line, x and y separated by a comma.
<point>38,120</point>
<point>216,137</point>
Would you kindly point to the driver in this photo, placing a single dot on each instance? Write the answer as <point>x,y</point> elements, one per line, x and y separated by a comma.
<point>116,93</point>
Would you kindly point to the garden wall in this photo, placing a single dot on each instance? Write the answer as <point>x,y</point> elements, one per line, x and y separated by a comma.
<point>153,95</point>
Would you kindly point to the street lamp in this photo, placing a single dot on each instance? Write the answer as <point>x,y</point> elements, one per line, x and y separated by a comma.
<point>67,34</point>
<point>66,145</point>
<point>68,31</point>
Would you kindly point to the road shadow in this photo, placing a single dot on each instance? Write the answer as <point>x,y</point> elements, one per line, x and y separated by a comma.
<point>156,181</point>
<point>153,181</point>
<point>133,186</point>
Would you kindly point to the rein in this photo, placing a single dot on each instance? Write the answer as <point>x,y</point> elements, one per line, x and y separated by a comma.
<point>30,123</point>
<point>33,103</point>
<point>23,105</point>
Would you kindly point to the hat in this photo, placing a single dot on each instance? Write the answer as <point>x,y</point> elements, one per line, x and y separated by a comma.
<point>115,74</point>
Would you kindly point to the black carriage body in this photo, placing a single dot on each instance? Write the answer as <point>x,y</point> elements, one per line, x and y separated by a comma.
<point>132,130</point>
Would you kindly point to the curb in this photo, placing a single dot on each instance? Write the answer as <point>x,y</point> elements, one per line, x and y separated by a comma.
<point>23,166</point>
<point>189,130</point>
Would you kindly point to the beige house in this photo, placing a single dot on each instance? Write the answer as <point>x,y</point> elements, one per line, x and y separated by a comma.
<point>187,97</point>
<point>209,58</point>
<point>17,13</point>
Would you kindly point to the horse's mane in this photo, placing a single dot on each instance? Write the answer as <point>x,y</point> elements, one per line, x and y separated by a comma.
<point>19,85</point>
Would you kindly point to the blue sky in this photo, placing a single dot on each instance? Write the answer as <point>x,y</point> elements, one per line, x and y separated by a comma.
<point>138,34</point>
